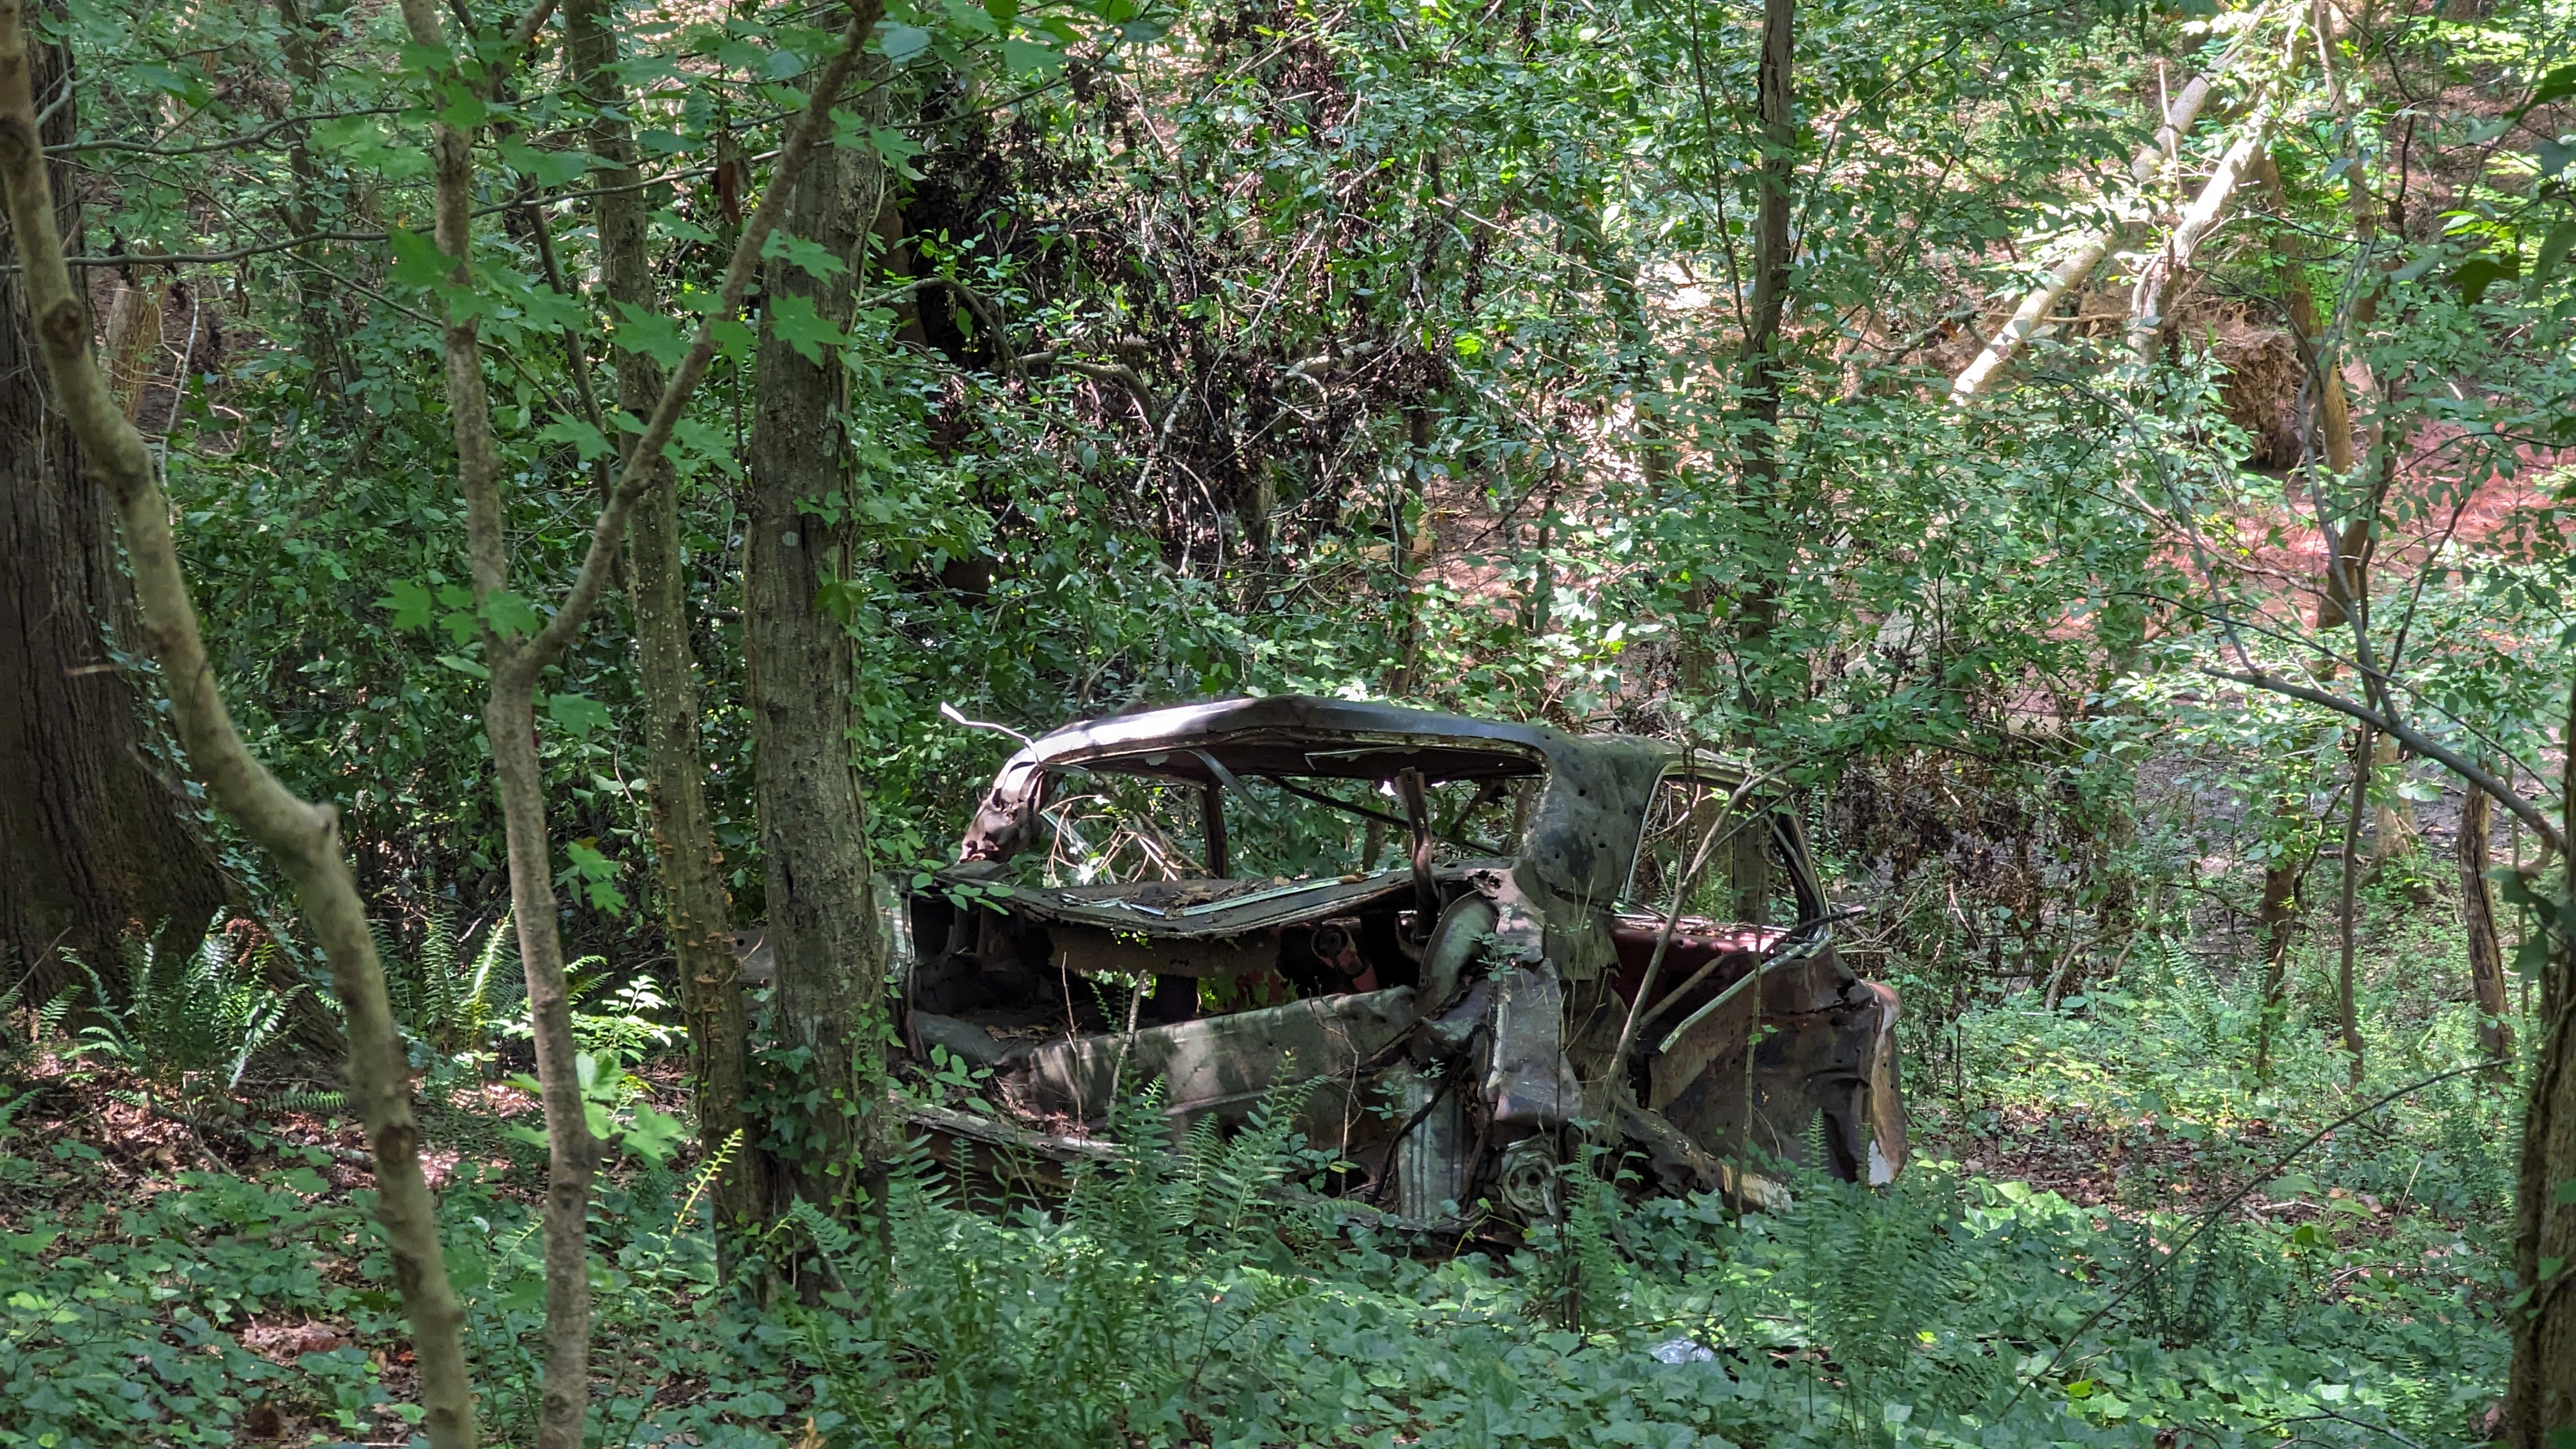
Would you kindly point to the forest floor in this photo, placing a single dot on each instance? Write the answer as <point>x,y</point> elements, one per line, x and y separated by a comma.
<point>184,1264</point>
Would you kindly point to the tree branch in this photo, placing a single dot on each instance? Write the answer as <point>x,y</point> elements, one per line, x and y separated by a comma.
<point>1118,373</point>
<point>286,244</point>
<point>647,452</point>
<point>247,138</point>
<point>2032,316</point>
<point>987,315</point>
<point>2414,739</point>
<point>2156,279</point>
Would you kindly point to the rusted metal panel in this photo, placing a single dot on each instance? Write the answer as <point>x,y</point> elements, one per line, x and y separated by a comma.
<point>1253,906</point>
<point>1219,1064</point>
<point>1530,1083</point>
<point>1582,835</point>
<point>1838,1063</point>
<point>1886,1155</point>
<point>1429,1162</point>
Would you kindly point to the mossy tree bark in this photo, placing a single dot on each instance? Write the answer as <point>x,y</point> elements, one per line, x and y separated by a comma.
<point>2478,922</point>
<point>2279,916</point>
<point>1759,473</point>
<point>300,39</point>
<point>517,657</point>
<point>2540,1402</point>
<point>695,907</point>
<point>2347,1005</point>
<point>94,845</point>
<point>829,998</point>
<point>2543,1393</point>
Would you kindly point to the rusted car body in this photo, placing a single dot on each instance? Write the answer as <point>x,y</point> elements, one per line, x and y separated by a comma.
<point>1429,933</point>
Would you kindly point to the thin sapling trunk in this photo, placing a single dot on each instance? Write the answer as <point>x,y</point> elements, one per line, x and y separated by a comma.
<point>695,906</point>
<point>517,655</point>
<point>2279,916</point>
<point>2478,922</point>
<point>2347,1008</point>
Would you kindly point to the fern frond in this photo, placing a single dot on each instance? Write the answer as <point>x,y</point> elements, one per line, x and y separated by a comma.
<point>497,983</point>
<point>706,1178</point>
<point>1259,1158</point>
<point>439,975</point>
<point>831,1238</point>
<point>300,1100</point>
<point>51,1016</point>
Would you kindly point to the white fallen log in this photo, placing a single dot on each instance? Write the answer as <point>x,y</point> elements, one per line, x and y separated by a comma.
<point>2156,279</point>
<point>2031,316</point>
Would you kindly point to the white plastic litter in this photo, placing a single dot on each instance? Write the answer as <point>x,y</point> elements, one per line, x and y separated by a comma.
<point>1682,1350</point>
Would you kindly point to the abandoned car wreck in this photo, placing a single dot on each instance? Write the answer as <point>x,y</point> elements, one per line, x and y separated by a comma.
<point>1446,941</point>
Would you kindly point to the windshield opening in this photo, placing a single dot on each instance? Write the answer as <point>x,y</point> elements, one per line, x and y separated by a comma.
<point>1136,819</point>
<point>1748,877</point>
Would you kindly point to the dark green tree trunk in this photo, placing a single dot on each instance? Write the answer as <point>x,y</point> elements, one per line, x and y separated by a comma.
<point>2543,1396</point>
<point>1759,472</point>
<point>829,999</point>
<point>695,908</point>
<point>320,340</point>
<point>2540,1404</point>
<point>2478,922</point>
<point>2279,915</point>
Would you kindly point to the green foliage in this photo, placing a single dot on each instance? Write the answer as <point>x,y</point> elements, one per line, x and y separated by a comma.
<point>116,1315</point>
<point>1189,1286</point>
<point>449,1003</point>
<point>193,1023</point>
<point>1437,312</point>
<point>616,1108</point>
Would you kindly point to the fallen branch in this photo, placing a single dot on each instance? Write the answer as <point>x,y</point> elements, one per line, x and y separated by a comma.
<point>2156,278</point>
<point>1119,373</point>
<point>2031,316</point>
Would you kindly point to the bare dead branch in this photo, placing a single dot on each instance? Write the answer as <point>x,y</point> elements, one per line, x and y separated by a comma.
<point>2156,279</point>
<point>1118,373</point>
<point>2089,249</point>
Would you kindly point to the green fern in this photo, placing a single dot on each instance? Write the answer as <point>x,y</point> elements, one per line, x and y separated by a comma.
<point>1250,1166</point>
<point>13,1107</point>
<point>447,1002</point>
<point>829,1236</point>
<point>1580,1256</point>
<point>320,1103</point>
<point>206,1014</point>
<point>51,1016</point>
